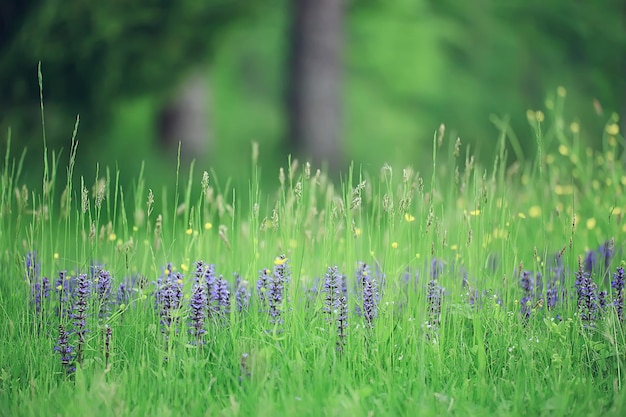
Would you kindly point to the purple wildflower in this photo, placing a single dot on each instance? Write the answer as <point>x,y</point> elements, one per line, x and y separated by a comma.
<point>527,283</point>
<point>282,272</point>
<point>262,287</point>
<point>210,281</point>
<point>437,267</point>
<point>367,293</point>
<point>103,289</point>
<point>598,261</point>
<point>125,290</point>
<point>606,252</point>
<point>199,272</point>
<point>602,299</point>
<point>242,293</point>
<point>434,295</point>
<point>591,261</point>
<point>312,292</point>
<point>64,287</point>
<point>65,350</point>
<point>332,289</point>
<point>552,294</point>
<point>80,312</point>
<point>220,298</point>
<point>336,303</point>
<point>411,279</point>
<point>277,289</point>
<point>381,280</point>
<point>198,312</point>
<point>618,292</point>
<point>370,300</point>
<point>587,297</point>
<point>362,270</point>
<point>39,290</point>
<point>169,298</point>
<point>107,344</point>
<point>342,321</point>
<point>33,267</point>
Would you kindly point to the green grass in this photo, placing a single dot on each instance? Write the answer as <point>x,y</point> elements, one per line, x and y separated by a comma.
<point>474,355</point>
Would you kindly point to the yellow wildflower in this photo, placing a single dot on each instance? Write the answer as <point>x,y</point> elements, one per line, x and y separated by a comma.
<point>591,223</point>
<point>612,129</point>
<point>534,212</point>
<point>280,260</point>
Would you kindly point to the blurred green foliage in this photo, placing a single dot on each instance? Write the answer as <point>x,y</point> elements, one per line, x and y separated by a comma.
<point>410,65</point>
<point>94,55</point>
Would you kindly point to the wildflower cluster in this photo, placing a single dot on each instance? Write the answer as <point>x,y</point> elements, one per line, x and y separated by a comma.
<point>85,300</point>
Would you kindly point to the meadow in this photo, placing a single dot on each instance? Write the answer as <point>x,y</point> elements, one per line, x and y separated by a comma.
<point>458,289</point>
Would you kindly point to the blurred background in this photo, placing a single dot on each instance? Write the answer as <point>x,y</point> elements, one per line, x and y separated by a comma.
<point>331,81</point>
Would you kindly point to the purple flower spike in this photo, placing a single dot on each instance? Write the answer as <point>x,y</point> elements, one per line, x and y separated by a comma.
<point>33,267</point>
<point>221,298</point>
<point>587,297</point>
<point>64,287</point>
<point>65,350</point>
<point>342,322</point>
<point>199,272</point>
<point>277,289</point>
<point>434,295</point>
<point>262,288</point>
<point>80,312</point>
<point>104,287</point>
<point>370,299</point>
<point>336,303</point>
<point>198,312</point>
<point>39,290</point>
<point>168,299</point>
<point>242,294</point>
<point>332,289</point>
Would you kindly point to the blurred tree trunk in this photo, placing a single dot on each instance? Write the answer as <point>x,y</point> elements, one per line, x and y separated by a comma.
<point>184,119</point>
<point>314,84</point>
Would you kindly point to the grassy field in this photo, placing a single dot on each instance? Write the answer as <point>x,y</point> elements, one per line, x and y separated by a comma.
<point>476,290</point>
